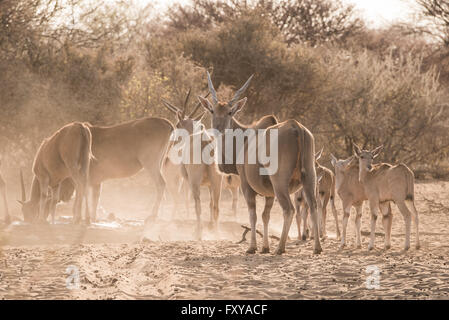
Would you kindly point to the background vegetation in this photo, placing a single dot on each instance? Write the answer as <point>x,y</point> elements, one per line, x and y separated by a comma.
<point>313,60</point>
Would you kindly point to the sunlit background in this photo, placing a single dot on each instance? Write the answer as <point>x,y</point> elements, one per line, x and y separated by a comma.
<point>376,13</point>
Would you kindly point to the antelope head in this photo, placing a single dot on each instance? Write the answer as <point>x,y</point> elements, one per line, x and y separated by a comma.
<point>29,209</point>
<point>366,157</point>
<point>341,167</point>
<point>184,121</point>
<point>223,112</point>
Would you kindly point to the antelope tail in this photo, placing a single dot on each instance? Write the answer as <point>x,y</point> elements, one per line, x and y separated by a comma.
<point>410,192</point>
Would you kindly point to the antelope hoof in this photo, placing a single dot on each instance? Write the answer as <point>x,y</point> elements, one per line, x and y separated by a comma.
<point>304,237</point>
<point>387,246</point>
<point>370,247</point>
<point>251,250</point>
<point>418,246</point>
<point>342,246</point>
<point>279,251</point>
<point>317,250</point>
<point>359,246</point>
<point>265,250</point>
<point>406,248</point>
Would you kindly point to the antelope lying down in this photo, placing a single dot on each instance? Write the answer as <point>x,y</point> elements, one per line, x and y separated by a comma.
<point>296,166</point>
<point>325,193</point>
<point>66,154</point>
<point>383,183</point>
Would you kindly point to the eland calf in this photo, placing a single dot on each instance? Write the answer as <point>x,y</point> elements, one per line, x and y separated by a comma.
<point>198,174</point>
<point>325,194</point>
<point>382,183</point>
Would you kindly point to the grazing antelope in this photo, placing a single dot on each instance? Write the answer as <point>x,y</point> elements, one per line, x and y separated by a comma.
<point>326,193</point>
<point>232,183</point>
<point>66,154</point>
<point>65,191</point>
<point>383,183</point>
<point>4,199</point>
<point>201,174</point>
<point>296,164</point>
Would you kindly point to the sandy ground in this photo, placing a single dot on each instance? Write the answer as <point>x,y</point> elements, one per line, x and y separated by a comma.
<point>109,260</point>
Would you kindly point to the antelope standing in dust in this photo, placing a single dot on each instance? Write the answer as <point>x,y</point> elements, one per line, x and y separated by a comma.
<point>383,183</point>
<point>4,199</point>
<point>352,194</point>
<point>296,166</point>
<point>123,150</point>
<point>65,155</point>
<point>201,174</point>
<point>325,194</point>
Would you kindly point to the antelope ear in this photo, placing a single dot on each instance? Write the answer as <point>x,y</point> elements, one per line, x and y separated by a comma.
<point>377,151</point>
<point>238,106</point>
<point>333,160</point>
<point>356,150</point>
<point>205,103</point>
<point>21,202</point>
<point>318,154</point>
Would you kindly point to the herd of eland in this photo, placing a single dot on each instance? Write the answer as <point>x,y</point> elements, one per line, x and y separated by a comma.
<point>79,157</point>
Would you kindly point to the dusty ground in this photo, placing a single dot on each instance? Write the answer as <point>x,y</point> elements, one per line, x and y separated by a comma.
<point>113,262</point>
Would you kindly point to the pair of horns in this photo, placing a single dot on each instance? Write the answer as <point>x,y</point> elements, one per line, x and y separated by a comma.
<point>175,110</point>
<point>237,94</point>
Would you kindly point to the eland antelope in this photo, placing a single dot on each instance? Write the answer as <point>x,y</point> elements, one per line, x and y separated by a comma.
<point>295,164</point>
<point>383,183</point>
<point>326,194</point>
<point>198,174</point>
<point>64,155</point>
<point>123,150</point>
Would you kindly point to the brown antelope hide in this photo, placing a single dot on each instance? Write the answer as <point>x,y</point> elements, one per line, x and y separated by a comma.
<point>123,150</point>
<point>325,194</point>
<point>295,164</point>
<point>200,174</point>
<point>66,154</point>
<point>383,183</point>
